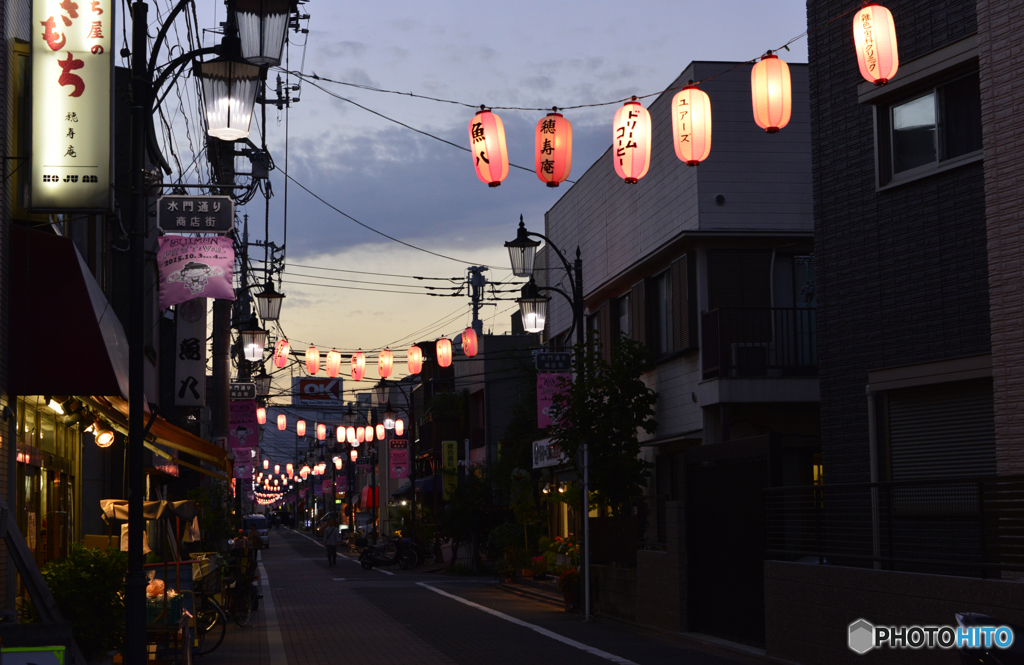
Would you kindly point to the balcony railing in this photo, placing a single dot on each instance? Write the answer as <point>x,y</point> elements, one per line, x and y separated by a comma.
<point>966,527</point>
<point>759,342</point>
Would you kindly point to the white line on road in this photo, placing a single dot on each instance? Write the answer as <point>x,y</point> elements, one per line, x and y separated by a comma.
<point>350,558</point>
<point>386,572</point>
<point>538,629</point>
<point>339,579</point>
<point>274,640</point>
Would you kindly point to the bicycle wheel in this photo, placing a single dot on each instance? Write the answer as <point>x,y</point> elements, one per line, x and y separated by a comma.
<point>241,606</point>
<point>409,559</point>
<point>211,625</point>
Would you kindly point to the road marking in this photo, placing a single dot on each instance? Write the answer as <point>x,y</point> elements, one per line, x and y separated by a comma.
<point>339,579</point>
<point>386,572</point>
<point>274,640</point>
<point>307,537</point>
<point>537,629</point>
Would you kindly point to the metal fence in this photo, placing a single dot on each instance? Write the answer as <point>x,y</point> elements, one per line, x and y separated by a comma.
<point>970,527</point>
<point>759,341</point>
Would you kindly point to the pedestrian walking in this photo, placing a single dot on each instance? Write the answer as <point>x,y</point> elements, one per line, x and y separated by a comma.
<point>331,542</point>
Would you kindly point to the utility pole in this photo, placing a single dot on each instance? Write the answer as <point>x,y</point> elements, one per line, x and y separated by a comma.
<point>477,282</point>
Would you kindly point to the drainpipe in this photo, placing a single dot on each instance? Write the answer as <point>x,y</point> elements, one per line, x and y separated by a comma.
<point>873,457</point>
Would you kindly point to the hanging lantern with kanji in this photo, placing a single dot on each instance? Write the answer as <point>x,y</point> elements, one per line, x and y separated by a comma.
<point>282,422</point>
<point>380,431</point>
<point>358,366</point>
<point>771,93</point>
<point>631,141</point>
<point>470,342</point>
<point>874,35</point>
<point>487,143</point>
<point>312,359</point>
<point>261,415</point>
<point>321,432</point>
<point>385,361</point>
<point>691,125</point>
<point>333,364</point>
<point>553,148</point>
<point>281,351</point>
<point>300,428</point>
<point>414,359</point>
<point>399,427</point>
<point>444,352</point>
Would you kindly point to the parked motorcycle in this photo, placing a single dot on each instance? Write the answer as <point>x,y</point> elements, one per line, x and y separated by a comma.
<point>1014,655</point>
<point>399,551</point>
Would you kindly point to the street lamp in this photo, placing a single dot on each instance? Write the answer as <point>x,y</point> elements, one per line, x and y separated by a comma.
<point>229,92</point>
<point>262,381</point>
<point>268,302</point>
<point>533,307</point>
<point>262,25</point>
<point>522,251</point>
<point>254,341</point>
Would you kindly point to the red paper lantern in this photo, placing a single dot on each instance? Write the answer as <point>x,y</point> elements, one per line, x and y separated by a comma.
<point>380,432</point>
<point>444,352</point>
<point>384,363</point>
<point>470,343</point>
<point>305,471</point>
<point>487,143</point>
<point>358,366</point>
<point>353,455</point>
<point>277,469</point>
<point>312,360</point>
<point>360,434</point>
<point>771,93</point>
<point>281,352</point>
<point>399,427</point>
<point>691,125</point>
<point>266,464</point>
<point>282,422</point>
<point>874,35</point>
<point>631,141</point>
<point>261,416</point>
<point>321,432</point>
<point>300,428</point>
<point>369,433</point>
<point>340,434</point>
<point>290,470</point>
<point>350,435</point>
<point>553,149</point>
<point>333,365</point>
<point>414,359</point>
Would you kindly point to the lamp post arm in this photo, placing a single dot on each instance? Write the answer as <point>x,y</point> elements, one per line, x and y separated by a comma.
<point>171,67</point>
<point>565,262</point>
<point>569,299</point>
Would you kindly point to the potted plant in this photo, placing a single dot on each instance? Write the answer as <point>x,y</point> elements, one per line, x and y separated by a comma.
<point>506,570</point>
<point>539,567</point>
<point>569,583</point>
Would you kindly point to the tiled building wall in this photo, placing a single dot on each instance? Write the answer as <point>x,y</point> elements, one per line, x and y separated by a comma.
<point>902,275</point>
<point>1001,33</point>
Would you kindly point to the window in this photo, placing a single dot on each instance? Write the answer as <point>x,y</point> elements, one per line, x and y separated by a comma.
<point>621,316</point>
<point>661,313</point>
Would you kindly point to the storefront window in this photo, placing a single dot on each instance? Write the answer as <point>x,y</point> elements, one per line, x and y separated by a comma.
<point>47,430</point>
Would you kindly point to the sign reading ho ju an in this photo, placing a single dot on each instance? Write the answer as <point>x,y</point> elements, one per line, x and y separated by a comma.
<point>195,214</point>
<point>72,80</point>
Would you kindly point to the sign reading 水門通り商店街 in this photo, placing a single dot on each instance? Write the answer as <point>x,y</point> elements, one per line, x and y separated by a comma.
<point>194,268</point>
<point>72,75</point>
<point>181,213</point>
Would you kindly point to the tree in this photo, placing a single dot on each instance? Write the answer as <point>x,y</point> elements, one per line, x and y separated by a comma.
<point>605,407</point>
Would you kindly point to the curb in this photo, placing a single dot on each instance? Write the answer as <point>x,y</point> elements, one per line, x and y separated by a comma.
<point>532,594</point>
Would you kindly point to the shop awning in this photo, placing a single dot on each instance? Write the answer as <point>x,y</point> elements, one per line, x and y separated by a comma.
<point>65,337</point>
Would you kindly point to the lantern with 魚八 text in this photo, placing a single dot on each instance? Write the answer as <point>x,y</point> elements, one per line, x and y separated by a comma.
<point>333,364</point>
<point>874,35</point>
<point>487,143</point>
<point>282,422</point>
<point>691,125</point>
<point>553,149</point>
<point>261,416</point>
<point>358,366</point>
<point>399,427</point>
<point>300,428</point>
<point>312,360</point>
<point>771,93</point>
<point>281,351</point>
<point>321,432</point>
<point>380,431</point>
<point>444,352</point>
<point>631,141</point>
<point>470,342</point>
<point>385,361</point>
<point>414,359</point>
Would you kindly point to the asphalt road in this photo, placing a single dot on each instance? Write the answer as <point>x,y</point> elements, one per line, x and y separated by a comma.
<point>312,614</point>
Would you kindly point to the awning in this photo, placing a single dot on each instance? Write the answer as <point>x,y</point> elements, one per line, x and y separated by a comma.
<point>117,509</point>
<point>65,337</point>
<point>422,485</point>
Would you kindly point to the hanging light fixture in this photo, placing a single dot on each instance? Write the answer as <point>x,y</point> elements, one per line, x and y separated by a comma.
<point>553,148</point>
<point>631,141</point>
<point>358,366</point>
<point>339,434</point>
<point>337,463</point>
<point>360,434</point>
<point>266,464</point>
<point>353,455</point>
<point>268,302</point>
<point>281,353</point>
<point>261,415</point>
<point>229,93</point>
<point>487,143</point>
<point>385,361</point>
<point>277,469</point>
<point>389,418</point>
<point>533,307</point>
<point>380,431</point>
<point>321,432</point>
<point>399,427</point>
<point>771,93</point>
<point>369,434</point>
<point>522,251</point>
<point>312,360</point>
<point>333,364</point>
<point>691,125</point>
<point>444,352</point>
<point>350,434</point>
<point>262,381</point>
<point>874,35</point>
<point>103,434</point>
<point>254,341</point>
<point>290,470</point>
<point>300,428</point>
<point>282,422</point>
<point>414,359</point>
<point>470,342</point>
<point>305,471</point>
<point>262,26</point>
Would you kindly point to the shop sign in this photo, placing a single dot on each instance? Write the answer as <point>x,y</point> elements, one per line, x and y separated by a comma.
<point>194,268</point>
<point>195,214</point>
<point>399,453</point>
<point>72,83</point>
<point>324,393</point>
<point>243,469</point>
<point>190,354</point>
<point>546,453</point>
<point>553,361</point>
<point>241,390</point>
<point>450,464</point>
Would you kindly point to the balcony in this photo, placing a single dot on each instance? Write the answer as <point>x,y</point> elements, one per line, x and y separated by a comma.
<point>759,342</point>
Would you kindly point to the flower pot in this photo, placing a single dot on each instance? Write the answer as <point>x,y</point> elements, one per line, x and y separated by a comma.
<point>570,596</point>
<point>526,573</point>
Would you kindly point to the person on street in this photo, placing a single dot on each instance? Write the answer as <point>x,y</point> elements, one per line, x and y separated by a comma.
<point>331,542</point>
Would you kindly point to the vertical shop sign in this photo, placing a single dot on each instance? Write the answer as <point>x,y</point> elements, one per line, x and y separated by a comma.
<point>72,84</point>
<point>450,464</point>
<point>190,354</point>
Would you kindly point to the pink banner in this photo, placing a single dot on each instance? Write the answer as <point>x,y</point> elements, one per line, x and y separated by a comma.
<point>548,385</point>
<point>243,429</point>
<point>318,490</point>
<point>328,485</point>
<point>302,494</point>
<point>243,469</point>
<point>399,458</point>
<point>194,268</point>
<point>340,485</point>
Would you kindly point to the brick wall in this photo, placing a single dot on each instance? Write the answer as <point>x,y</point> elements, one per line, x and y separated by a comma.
<point>1001,32</point>
<point>902,274</point>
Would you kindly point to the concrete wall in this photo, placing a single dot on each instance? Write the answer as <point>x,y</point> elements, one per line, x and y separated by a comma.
<point>808,609</point>
<point>661,577</point>
<point>614,591</point>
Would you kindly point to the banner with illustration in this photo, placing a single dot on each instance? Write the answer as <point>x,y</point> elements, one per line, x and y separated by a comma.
<point>340,485</point>
<point>318,489</point>
<point>194,268</point>
<point>243,469</point>
<point>549,385</point>
<point>243,428</point>
<point>399,449</point>
<point>328,485</point>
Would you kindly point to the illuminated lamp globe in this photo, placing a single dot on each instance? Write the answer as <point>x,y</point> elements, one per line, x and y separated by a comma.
<point>254,341</point>
<point>229,94</point>
<point>533,308</point>
<point>104,438</point>
<point>389,418</point>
